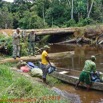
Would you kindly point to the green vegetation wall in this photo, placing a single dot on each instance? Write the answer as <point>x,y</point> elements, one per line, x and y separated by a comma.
<point>50,13</point>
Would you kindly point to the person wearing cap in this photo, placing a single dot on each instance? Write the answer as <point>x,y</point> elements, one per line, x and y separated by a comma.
<point>45,62</point>
<point>16,43</point>
<point>89,67</point>
<point>31,43</point>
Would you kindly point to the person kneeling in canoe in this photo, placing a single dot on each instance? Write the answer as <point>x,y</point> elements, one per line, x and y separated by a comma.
<point>85,77</point>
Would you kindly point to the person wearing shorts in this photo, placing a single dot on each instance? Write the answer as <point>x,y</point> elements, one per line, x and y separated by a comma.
<point>89,67</point>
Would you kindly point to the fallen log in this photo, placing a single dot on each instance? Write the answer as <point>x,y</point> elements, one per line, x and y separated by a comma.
<point>101,42</point>
<point>100,39</point>
<point>67,41</point>
<point>75,40</point>
<point>53,31</point>
<point>44,31</point>
<point>38,57</point>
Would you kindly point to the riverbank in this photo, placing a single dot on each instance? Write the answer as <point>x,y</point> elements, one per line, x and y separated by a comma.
<point>16,86</point>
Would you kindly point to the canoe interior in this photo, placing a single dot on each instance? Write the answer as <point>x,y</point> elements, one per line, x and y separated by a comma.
<point>71,72</point>
<point>71,76</point>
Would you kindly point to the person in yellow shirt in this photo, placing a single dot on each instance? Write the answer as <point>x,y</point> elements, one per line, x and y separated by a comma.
<point>45,62</point>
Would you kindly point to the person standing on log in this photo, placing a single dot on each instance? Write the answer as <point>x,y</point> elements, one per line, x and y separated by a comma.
<point>16,43</point>
<point>45,62</point>
<point>85,77</point>
<point>31,43</point>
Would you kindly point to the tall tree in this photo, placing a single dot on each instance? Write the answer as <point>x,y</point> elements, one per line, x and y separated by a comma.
<point>91,6</point>
<point>72,7</point>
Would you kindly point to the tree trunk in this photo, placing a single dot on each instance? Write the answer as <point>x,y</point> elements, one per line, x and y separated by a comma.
<point>90,9</point>
<point>43,15</point>
<point>87,6</point>
<point>38,57</point>
<point>68,1</point>
<point>52,22</point>
<point>72,10</point>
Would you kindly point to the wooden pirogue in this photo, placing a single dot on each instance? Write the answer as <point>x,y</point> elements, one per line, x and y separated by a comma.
<point>71,76</point>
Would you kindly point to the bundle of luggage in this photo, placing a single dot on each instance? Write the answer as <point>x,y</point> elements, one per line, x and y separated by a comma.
<point>97,77</point>
<point>37,71</point>
<point>51,69</point>
<point>32,68</point>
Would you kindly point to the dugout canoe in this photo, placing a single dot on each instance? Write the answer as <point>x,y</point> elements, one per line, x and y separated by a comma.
<point>72,76</point>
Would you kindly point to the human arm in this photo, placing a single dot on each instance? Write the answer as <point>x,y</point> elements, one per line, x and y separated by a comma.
<point>48,59</point>
<point>45,55</point>
<point>94,68</point>
<point>15,35</point>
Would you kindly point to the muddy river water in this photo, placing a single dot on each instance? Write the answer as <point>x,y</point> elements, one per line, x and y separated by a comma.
<point>81,53</point>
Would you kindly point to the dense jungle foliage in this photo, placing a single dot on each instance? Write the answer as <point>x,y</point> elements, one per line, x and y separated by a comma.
<point>28,14</point>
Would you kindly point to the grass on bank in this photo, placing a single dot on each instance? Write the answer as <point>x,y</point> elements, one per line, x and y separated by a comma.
<point>16,86</point>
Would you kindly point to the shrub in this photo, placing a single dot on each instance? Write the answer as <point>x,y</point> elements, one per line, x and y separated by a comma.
<point>45,38</point>
<point>9,46</point>
<point>86,21</point>
<point>71,22</point>
<point>24,49</point>
<point>6,42</point>
<point>5,73</point>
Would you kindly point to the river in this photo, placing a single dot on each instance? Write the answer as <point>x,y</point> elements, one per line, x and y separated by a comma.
<point>81,53</point>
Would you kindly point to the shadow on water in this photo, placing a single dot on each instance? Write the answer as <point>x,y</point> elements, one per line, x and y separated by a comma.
<point>81,53</point>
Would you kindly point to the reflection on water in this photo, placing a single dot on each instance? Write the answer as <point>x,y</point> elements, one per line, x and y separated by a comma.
<point>81,53</point>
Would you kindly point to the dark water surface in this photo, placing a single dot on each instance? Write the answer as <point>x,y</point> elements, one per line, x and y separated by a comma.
<point>85,97</point>
<point>81,53</point>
